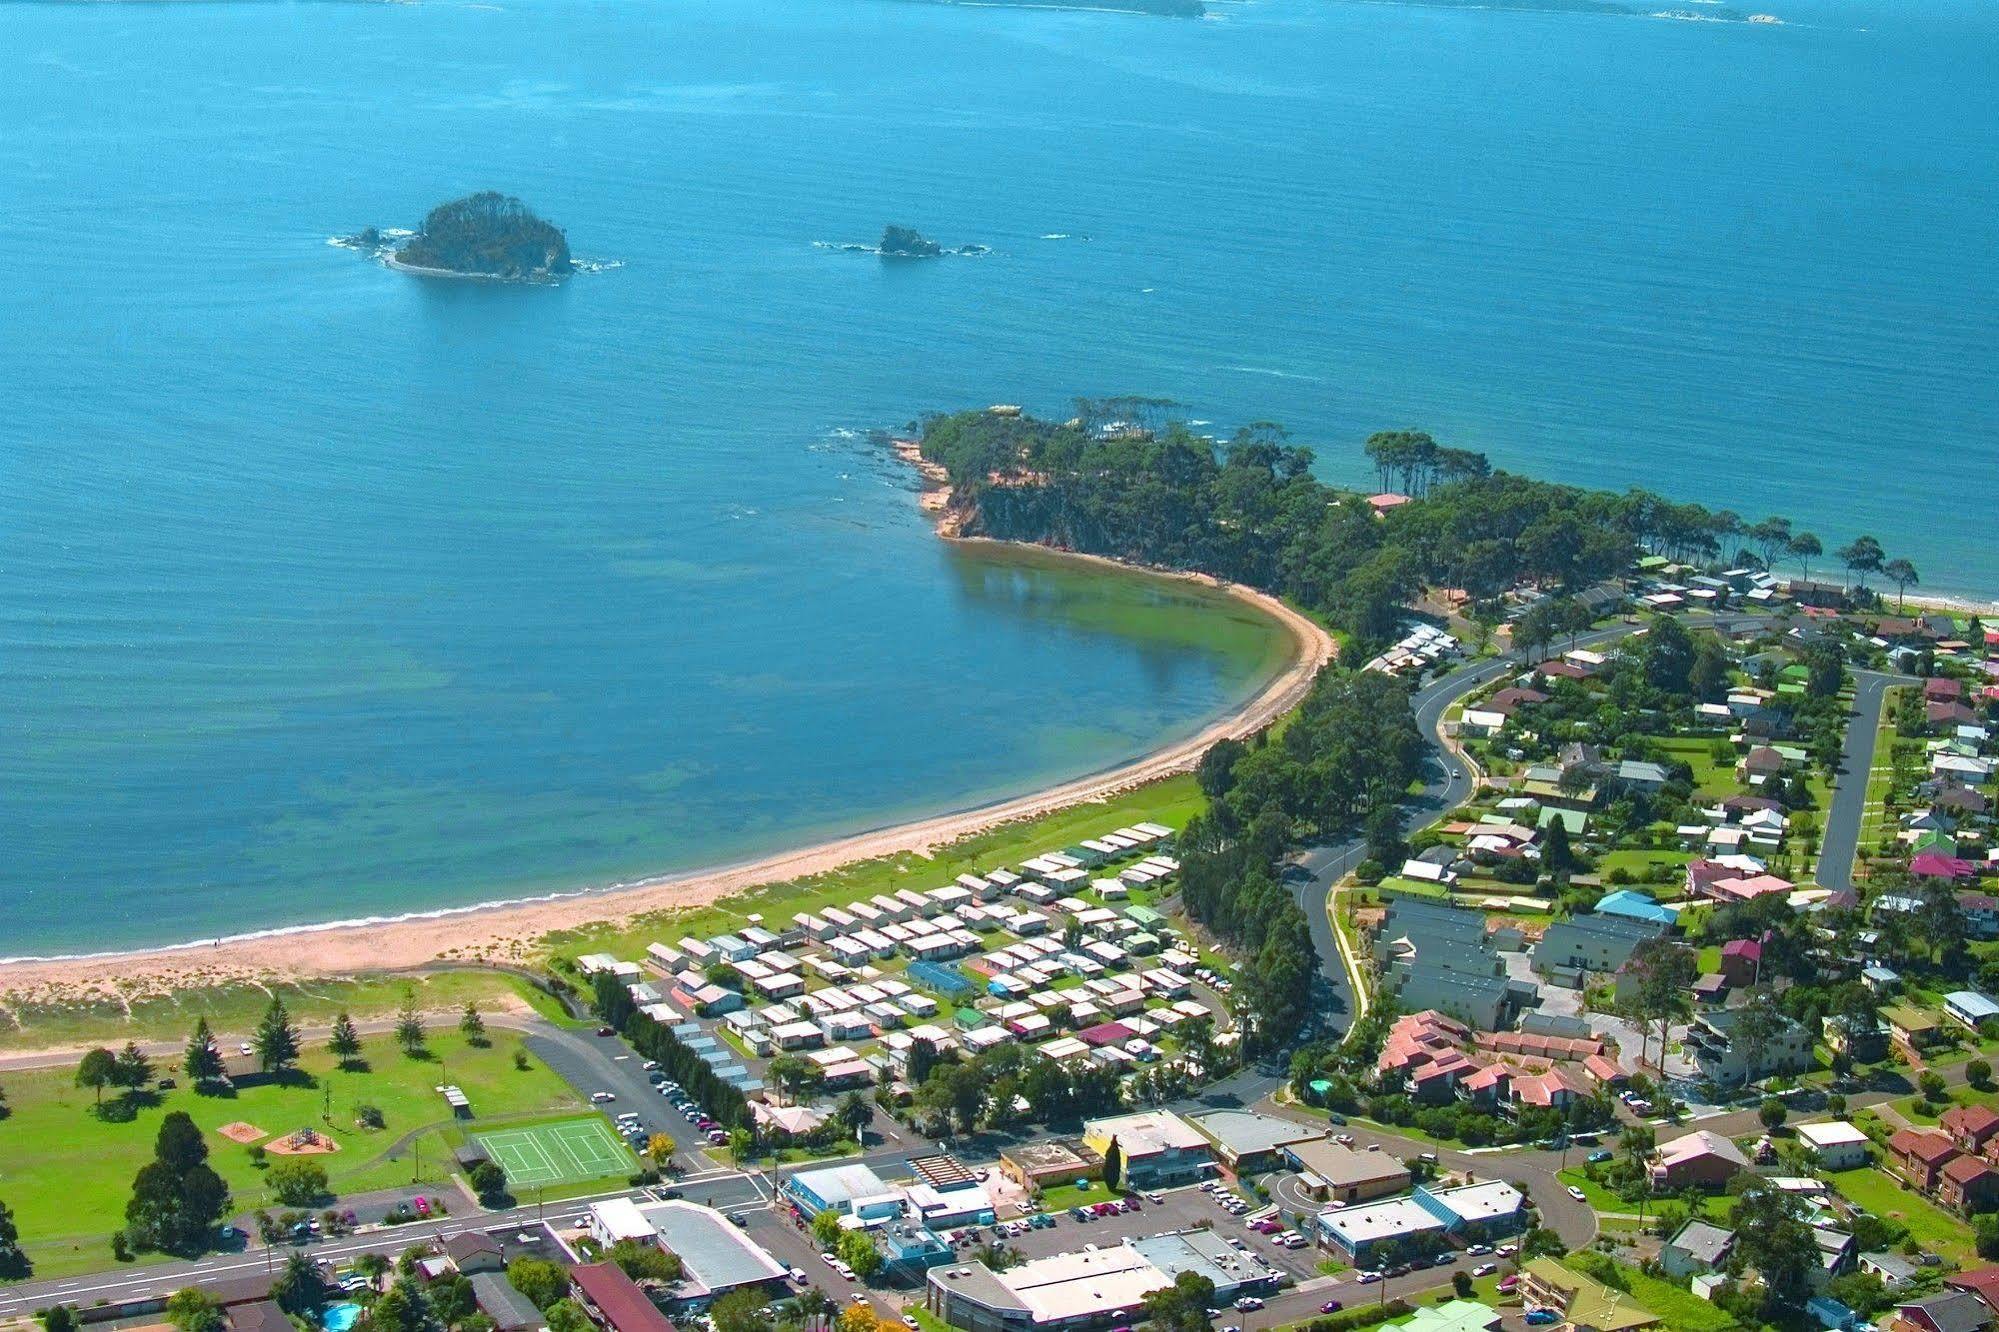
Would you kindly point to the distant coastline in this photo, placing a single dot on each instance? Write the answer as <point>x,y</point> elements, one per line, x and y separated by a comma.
<point>505,930</point>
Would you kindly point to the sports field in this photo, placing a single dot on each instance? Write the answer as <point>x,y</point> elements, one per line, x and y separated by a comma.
<point>566,1151</point>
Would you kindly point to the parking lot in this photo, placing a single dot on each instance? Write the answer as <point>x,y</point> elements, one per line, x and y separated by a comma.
<point>1178,1209</point>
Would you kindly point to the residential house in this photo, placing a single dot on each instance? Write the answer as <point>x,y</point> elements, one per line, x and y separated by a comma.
<point>1700,1159</point>
<point>1920,1155</point>
<point>1971,1127</point>
<point>1952,1311</point>
<point>1696,1248</point>
<point>1836,1144</point>
<point>1726,1062</point>
<point>1970,1007</point>
<point>1593,943</point>
<point>1587,1305</point>
<point>1982,1282</point>
<point>1967,1184</point>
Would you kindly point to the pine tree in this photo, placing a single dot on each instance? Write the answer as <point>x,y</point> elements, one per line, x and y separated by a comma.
<point>276,1042</point>
<point>345,1042</point>
<point>472,1026</point>
<point>202,1063</point>
<point>133,1069</point>
<point>409,1024</point>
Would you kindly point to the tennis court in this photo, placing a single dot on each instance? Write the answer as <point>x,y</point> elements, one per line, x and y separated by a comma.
<point>564,1152</point>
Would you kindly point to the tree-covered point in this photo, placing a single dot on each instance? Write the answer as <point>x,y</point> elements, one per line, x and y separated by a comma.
<point>488,235</point>
<point>1125,479</point>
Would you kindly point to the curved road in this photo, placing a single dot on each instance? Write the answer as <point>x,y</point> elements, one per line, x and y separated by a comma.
<point>1447,785</point>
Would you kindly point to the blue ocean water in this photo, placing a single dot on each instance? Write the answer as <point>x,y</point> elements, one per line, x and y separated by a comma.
<point>327,591</point>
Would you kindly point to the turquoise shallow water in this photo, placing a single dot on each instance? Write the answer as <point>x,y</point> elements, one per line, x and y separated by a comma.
<point>326,591</point>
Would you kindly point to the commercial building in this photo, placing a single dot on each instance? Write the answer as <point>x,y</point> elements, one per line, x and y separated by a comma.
<point>1047,1165</point>
<point>1475,1212</point>
<point>1342,1175</point>
<point>1247,1143</point>
<point>715,1256</point>
<point>1232,1270</point>
<point>1380,1230</point>
<point>1068,1290</point>
<point>1158,1147</point>
<point>843,1190</point>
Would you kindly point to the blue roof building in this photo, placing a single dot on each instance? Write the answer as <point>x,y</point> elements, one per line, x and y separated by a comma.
<point>1637,906</point>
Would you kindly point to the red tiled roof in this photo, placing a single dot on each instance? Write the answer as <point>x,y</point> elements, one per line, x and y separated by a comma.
<point>1967,1169</point>
<point>1925,1145</point>
<point>1976,1121</point>
<point>618,1298</point>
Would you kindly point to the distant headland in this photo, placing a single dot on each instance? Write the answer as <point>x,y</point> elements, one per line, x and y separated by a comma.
<point>488,236</point>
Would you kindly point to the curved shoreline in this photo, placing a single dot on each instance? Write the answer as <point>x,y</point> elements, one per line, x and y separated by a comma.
<point>507,930</point>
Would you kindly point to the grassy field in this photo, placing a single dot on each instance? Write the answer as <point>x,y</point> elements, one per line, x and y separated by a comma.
<point>67,1173</point>
<point>234,1009</point>
<point>1171,802</point>
<point>1934,1229</point>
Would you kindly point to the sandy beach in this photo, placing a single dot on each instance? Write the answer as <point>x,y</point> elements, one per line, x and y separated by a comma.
<point>507,931</point>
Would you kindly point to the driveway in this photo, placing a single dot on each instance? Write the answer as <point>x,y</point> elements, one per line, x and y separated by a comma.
<point>1849,791</point>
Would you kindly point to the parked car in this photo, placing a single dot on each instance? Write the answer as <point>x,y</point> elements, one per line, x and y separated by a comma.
<point>1249,1304</point>
<point>1542,1317</point>
<point>1578,1194</point>
<point>1477,1249</point>
<point>607,1031</point>
<point>1368,1278</point>
<point>1331,1306</point>
<point>1509,1284</point>
<point>600,1097</point>
<point>1598,1157</point>
<point>1485,1269</point>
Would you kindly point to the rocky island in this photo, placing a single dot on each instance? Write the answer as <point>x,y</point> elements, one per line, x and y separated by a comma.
<point>487,235</point>
<point>907,243</point>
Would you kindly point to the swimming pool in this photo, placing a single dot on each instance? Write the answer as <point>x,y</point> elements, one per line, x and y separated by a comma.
<point>339,1317</point>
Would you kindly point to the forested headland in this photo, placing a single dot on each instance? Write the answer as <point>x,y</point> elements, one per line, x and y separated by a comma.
<point>1123,480</point>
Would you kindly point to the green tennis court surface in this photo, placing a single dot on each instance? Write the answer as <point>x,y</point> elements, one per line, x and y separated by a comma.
<point>564,1152</point>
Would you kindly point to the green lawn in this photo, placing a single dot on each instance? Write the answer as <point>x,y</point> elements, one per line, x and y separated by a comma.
<point>1710,777</point>
<point>1934,1229</point>
<point>67,1173</point>
<point>1171,802</point>
<point>233,1010</point>
<point>1071,1195</point>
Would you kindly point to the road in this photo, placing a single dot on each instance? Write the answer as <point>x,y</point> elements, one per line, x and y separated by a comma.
<point>1848,809</point>
<point>1447,785</point>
